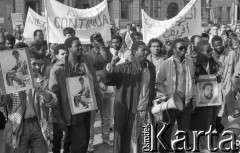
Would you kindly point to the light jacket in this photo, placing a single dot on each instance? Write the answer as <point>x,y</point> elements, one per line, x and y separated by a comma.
<point>166,78</point>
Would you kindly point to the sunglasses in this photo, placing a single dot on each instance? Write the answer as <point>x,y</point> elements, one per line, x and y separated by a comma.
<point>182,48</point>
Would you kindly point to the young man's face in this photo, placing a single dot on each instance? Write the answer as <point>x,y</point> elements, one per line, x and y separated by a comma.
<point>116,44</point>
<point>207,51</point>
<point>180,49</point>
<point>223,27</point>
<point>138,29</point>
<point>76,48</point>
<point>208,92</point>
<point>39,36</point>
<point>155,48</point>
<point>61,54</point>
<point>197,40</point>
<point>235,45</point>
<point>214,31</point>
<point>69,35</point>
<point>36,65</point>
<point>141,53</point>
<point>218,46</point>
<point>9,44</point>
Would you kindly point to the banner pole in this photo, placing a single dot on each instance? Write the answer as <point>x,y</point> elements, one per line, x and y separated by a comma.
<point>47,26</point>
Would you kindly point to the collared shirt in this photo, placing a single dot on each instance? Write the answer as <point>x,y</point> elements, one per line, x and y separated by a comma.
<point>180,75</point>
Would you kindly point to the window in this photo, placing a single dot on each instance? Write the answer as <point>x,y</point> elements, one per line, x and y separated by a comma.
<point>228,13</point>
<point>172,10</point>
<point>125,11</point>
<point>157,9</point>
<point>220,13</point>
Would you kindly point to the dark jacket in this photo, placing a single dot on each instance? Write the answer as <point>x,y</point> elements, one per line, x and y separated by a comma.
<point>203,117</point>
<point>127,79</point>
<point>57,84</point>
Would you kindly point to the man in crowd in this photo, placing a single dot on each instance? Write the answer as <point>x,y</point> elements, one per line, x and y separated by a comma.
<point>226,61</point>
<point>213,32</point>
<point>102,55</point>
<point>29,129</point>
<point>76,64</point>
<point>156,56</point>
<point>127,36</point>
<point>69,32</point>
<point>134,82</point>
<point>182,72</point>
<point>9,41</point>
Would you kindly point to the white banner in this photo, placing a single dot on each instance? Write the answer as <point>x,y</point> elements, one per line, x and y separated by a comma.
<point>33,22</point>
<point>84,21</point>
<point>186,23</point>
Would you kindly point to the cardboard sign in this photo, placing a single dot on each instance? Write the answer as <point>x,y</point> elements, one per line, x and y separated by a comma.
<point>208,91</point>
<point>81,94</point>
<point>17,19</point>
<point>15,71</point>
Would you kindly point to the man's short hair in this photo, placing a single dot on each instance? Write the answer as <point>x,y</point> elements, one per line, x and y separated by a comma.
<point>68,30</point>
<point>129,24</point>
<point>192,39</point>
<point>36,31</point>
<point>200,45</point>
<point>15,52</point>
<point>58,47</point>
<point>68,42</point>
<point>95,35</point>
<point>207,84</point>
<point>35,55</point>
<point>229,31</point>
<point>136,45</point>
<point>21,45</point>
<point>153,40</point>
<point>10,38</point>
<point>205,35</point>
<point>117,37</point>
<point>216,38</point>
<point>178,40</point>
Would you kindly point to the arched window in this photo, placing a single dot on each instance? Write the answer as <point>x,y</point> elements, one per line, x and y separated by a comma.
<point>172,10</point>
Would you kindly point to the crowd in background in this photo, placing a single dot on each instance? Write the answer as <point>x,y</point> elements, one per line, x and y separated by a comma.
<point>140,73</point>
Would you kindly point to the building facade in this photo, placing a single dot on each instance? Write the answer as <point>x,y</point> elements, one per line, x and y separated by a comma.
<point>127,11</point>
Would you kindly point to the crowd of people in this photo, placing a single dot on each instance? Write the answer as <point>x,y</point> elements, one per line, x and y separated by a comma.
<point>141,74</point>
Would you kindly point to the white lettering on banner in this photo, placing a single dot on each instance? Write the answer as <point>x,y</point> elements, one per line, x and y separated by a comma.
<point>33,22</point>
<point>186,23</point>
<point>85,21</point>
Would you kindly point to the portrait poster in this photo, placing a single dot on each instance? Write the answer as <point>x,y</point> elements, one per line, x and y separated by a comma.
<point>107,91</point>
<point>81,94</point>
<point>208,91</point>
<point>15,71</point>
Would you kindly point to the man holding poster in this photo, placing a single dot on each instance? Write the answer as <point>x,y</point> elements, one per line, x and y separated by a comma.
<point>74,65</point>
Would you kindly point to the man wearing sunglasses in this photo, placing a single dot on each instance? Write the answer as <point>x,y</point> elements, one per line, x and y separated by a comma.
<point>226,61</point>
<point>176,75</point>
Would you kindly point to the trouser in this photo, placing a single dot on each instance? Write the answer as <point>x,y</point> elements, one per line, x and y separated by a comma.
<point>105,117</point>
<point>57,140</point>
<point>31,138</point>
<point>2,144</point>
<point>183,122</point>
<point>79,133</point>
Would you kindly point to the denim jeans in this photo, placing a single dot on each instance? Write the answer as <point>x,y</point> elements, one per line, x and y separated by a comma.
<point>31,138</point>
<point>105,118</point>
